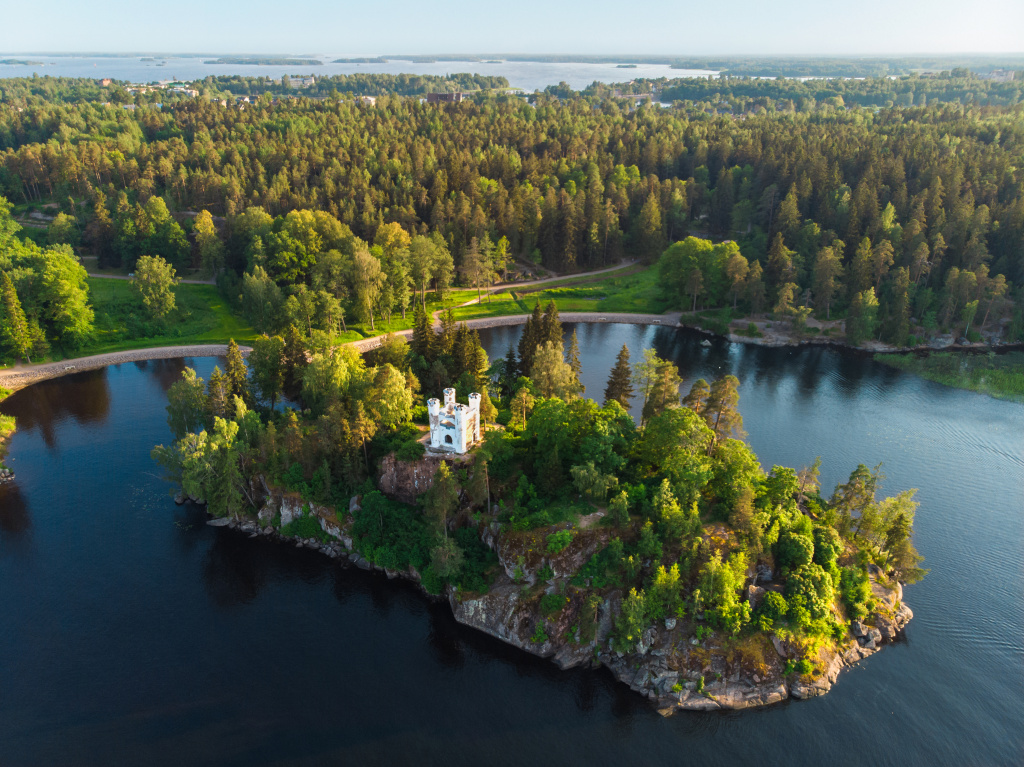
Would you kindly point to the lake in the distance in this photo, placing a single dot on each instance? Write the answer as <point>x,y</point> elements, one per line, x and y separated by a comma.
<point>528,75</point>
<point>133,633</point>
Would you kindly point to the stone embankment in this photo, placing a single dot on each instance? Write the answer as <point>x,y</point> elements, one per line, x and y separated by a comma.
<point>674,665</point>
<point>23,375</point>
<point>667,320</point>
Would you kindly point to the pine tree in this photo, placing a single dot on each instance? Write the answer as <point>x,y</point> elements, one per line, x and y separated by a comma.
<point>697,399</point>
<point>620,380</point>
<point>721,410</point>
<point>237,374</point>
<point>573,358</point>
<point>14,330</point>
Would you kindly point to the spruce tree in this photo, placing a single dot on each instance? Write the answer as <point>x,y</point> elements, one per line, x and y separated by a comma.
<point>421,333</point>
<point>14,329</point>
<point>573,358</point>
<point>551,327</point>
<point>217,391</point>
<point>530,340</point>
<point>510,373</point>
<point>620,380</point>
<point>237,374</point>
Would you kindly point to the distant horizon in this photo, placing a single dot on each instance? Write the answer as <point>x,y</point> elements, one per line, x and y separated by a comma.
<point>470,56</point>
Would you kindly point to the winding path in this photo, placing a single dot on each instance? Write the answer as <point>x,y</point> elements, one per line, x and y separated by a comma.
<point>20,376</point>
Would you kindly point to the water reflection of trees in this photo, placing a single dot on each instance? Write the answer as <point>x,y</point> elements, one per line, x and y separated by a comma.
<point>85,397</point>
<point>164,372</point>
<point>15,520</point>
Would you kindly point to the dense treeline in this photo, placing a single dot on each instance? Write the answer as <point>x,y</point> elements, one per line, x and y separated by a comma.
<point>573,185</point>
<point>691,511</point>
<point>752,93</point>
<point>358,84</point>
<point>44,298</point>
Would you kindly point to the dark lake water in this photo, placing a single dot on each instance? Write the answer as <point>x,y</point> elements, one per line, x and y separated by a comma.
<point>132,633</point>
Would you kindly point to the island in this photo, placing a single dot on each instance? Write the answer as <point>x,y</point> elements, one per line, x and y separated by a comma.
<point>659,548</point>
<point>265,61</point>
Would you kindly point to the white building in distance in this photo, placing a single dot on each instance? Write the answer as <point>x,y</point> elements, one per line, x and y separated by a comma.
<point>454,428</point>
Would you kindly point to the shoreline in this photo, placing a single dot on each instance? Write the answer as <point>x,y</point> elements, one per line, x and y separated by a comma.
<point>19,377</point>
<point>645,670</point>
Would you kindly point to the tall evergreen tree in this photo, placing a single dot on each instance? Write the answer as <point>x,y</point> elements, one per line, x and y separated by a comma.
<point>422,333</point>
<point>620,380</point>
<point>217,396</point>
<point>722,410</point>
<point>530,340</point>
<point>551,326</point>
<point>572,356</point>
<point>237,374</point>
<point>14,328</point>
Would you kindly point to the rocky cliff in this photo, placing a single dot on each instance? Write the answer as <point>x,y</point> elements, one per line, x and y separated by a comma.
<point>676,665</point>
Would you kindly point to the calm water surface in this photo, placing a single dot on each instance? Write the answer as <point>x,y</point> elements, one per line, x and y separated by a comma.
<point>528,75</point>
<point>132,633</point>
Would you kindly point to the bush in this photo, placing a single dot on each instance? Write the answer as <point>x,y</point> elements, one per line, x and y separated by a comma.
<point>794,550</point>
<point>306,526</point>
<point>478,563</point>
<point>558,542</point>
<point>552,604</point>
<point>772,609</point>
<point>411,451</point>
<point>855,591</point>
<point>385,530</point>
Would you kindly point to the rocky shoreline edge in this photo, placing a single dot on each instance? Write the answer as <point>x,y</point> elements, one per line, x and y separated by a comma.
<point>673,669</point>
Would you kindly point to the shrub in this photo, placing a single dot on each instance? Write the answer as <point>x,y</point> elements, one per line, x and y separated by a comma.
<point>794,550</point>
<point>306,526</point>
<point>559,542</point>
<point>771,610</point>
<point>552,604</point>
<point>411,451</point>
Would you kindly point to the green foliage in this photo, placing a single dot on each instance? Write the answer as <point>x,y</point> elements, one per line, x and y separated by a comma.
<point>771,611</point>
<point>794,550</point>
<point>390,532</point>
<point>998,375</point>
<point>559,541</point>
<point>855,591</point>
<point>552,604</point>
<point>305,526</point>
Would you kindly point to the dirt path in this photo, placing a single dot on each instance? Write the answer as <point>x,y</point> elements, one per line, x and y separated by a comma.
<point>22,375</point>
<point>126,277</point>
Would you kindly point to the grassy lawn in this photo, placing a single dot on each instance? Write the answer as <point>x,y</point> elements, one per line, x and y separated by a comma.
<point>635,293</point>
<point>202,316</point>
<point>998,375</point>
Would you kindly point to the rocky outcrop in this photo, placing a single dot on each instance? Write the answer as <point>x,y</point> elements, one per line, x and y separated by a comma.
<point>674,665</point>
<point>405,481</point>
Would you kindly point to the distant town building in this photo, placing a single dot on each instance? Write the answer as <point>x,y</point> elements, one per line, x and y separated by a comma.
<point>454,427</point>
<point>299,82</point>
<point>105,82</point>
<point>369,100</point>
<point>999,75</point>
<point>445,98</point>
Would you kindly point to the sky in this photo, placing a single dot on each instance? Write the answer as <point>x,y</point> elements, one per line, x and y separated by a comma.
<point>664,27</point>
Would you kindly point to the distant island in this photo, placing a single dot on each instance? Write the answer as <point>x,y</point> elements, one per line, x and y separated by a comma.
<point>22,62</point>
<point>625,66</point>
<point>264,61</point>
<point>364,60</point>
